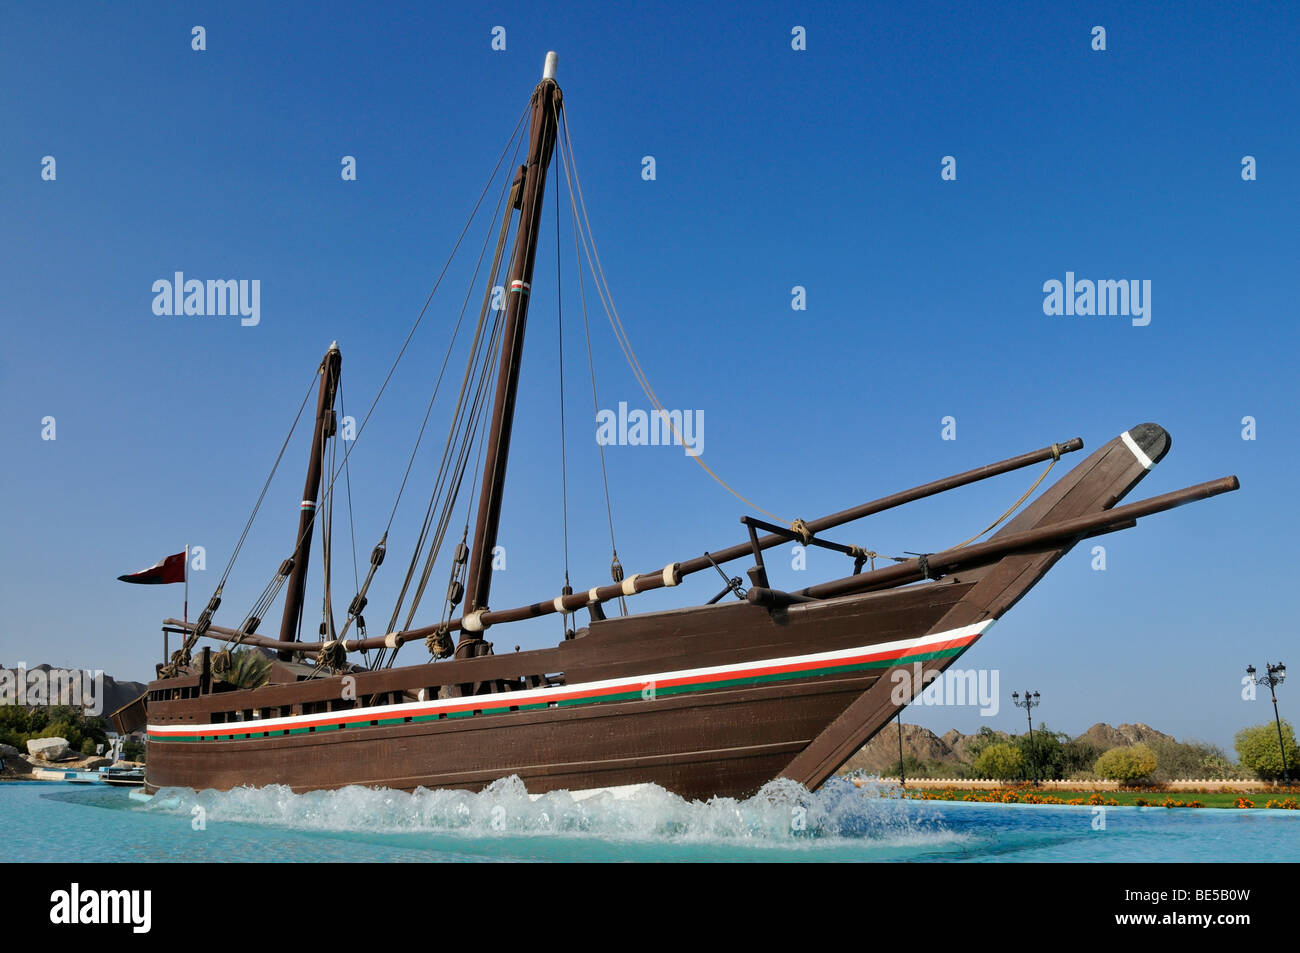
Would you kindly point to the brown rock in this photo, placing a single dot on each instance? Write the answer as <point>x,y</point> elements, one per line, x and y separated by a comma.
<point>1139,733</point>
<point>880,754</point>
<point>1103,737</point>
<point>961,748</point>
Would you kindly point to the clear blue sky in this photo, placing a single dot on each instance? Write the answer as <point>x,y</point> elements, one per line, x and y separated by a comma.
<point>775,168</point>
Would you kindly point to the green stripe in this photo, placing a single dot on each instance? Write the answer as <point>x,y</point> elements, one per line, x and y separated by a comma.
<point>619,696</point>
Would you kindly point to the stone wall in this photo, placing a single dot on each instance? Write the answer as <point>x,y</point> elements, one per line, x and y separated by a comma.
<point>1208,784</point>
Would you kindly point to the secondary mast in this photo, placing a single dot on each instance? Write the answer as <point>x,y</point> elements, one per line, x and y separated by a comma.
<point>545,110</point>
<point>331,365</point>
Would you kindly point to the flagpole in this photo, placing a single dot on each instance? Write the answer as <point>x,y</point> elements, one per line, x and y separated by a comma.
<point>187,583</point>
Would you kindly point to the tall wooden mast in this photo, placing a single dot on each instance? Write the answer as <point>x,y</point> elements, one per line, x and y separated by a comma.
<point>331,365</point>
<point>545,111</point>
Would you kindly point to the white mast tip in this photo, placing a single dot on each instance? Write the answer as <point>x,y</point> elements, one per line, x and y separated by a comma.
<point>548,71</point>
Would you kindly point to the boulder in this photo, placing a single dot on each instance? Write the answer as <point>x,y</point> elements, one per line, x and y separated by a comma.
<point>48,749</point>
<point>15,766</point>
<point>9,751</point>
<point>94,764</point>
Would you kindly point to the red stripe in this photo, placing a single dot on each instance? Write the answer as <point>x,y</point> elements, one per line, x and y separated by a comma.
<point>755,671</point>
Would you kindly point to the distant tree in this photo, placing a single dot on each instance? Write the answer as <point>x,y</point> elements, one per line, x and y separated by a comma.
<point>1044,753</point>
<point>18,725</point>
<point>1000,760</point>
<point>1218,766</point>
<point>913,767</point>
<point>1078,756</point>
<point>1127,765</point>
<point>1259,752</point>
<point>982,739</point>
<point>133,750</point>
<point>1190,759</point>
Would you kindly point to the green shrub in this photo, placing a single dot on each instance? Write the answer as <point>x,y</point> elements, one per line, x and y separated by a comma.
<point>18,725</point>
<point>1127,765</point>
<point>1003,761</point>
<point>1259,752</point>
<point>1190,759</point>
<point>133,750</point>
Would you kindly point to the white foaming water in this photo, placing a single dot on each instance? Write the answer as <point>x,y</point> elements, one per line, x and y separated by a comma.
<point>783,813</point>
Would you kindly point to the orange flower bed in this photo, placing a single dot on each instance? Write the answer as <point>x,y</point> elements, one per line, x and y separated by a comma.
<point>1167,802</point>
<point>1009,796</point>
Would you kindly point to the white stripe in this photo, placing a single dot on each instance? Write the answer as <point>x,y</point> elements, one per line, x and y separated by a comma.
<point>1137,451</point>
<point>545,694</point>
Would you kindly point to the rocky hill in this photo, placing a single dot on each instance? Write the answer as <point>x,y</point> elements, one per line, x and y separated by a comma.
<point>880,754</point>
<point>1105,737</point>
<point>115,693</point>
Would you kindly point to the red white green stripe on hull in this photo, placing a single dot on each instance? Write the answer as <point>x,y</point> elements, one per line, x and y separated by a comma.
<point>948,644</point>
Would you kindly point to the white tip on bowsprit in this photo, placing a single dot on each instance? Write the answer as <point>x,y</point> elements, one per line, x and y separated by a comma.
<point>1142,458</point>
<point>552,60</point>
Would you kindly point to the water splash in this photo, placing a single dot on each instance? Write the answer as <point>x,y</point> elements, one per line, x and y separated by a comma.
<point>782,813</point>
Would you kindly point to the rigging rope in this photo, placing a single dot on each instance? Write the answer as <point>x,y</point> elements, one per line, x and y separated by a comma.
<point>265,486</point>
<point>602,288</point>
<point>215,601</point>
<point>559,324</point>
<point>347,475</point>
<point>1056,455</point>
<point>591,363</point>
<point>460,424</point>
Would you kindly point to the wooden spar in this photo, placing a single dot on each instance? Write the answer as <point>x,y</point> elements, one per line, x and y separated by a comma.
<point>546,105</point>
<point>1054,534</point>
<point>1039,537</point>
<point>886,503</point>
<point>645,581</point>
<point>331,366</point>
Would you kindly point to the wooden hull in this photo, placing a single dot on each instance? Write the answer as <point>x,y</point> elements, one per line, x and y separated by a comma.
<point>707,701</point>
<point>724,732</point>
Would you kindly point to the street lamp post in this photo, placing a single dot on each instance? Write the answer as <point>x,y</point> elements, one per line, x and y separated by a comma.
<point>1028,703</point>
<point>1275,677</point>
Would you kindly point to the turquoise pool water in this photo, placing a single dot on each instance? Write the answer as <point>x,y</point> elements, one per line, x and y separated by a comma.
<point>841,822</point>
